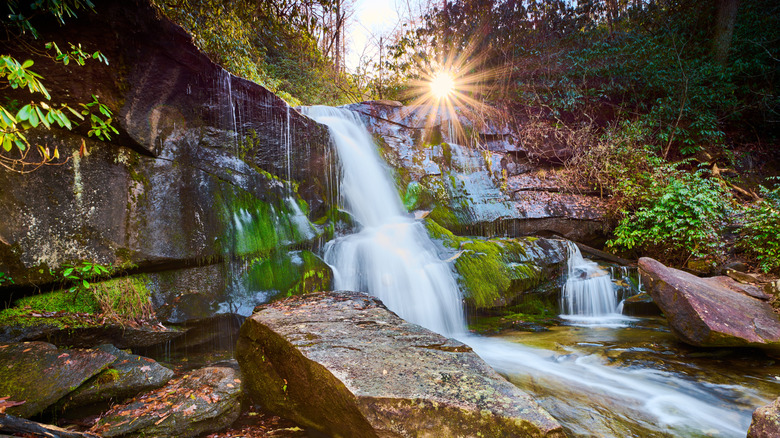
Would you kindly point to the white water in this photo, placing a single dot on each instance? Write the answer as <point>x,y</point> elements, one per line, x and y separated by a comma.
<point>393,258</point>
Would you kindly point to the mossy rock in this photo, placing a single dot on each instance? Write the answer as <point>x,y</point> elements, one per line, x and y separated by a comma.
<point>497,272</point>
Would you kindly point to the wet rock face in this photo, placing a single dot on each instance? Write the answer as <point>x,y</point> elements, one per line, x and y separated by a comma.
<point>486,190</point>
<point>341,363</point>
<point>707,312</point>
<point>203,401</point>
<point>203,166</point>
<point>766,421</point>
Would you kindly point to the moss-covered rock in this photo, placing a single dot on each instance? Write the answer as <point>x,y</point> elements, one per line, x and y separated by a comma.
<point>39,374</point>
<point>126,376</point>
<point>497,272</point>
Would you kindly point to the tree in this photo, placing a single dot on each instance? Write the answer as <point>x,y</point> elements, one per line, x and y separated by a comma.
<point>724,29</point>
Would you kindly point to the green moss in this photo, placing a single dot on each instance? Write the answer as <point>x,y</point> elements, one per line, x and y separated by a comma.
<point>492,272</point>
<point>123,298</point>
<point>289,273</point>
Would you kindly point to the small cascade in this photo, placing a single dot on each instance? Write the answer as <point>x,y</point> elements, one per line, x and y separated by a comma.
<point>589,290</point>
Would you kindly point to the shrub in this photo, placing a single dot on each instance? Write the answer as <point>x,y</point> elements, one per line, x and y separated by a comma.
<point>683,222</point>
<point>761,232</point>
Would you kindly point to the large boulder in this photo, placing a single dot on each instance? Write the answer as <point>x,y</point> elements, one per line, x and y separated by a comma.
<point>707,312</point>
<point>766,421</point>
<point>474,172</point>
<point>341,363</point>
<point>206,166</point>
<point>39,374</point>
<point>205,400</point>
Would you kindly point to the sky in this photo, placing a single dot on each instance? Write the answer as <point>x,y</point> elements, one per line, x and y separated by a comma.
<point>371,17</point>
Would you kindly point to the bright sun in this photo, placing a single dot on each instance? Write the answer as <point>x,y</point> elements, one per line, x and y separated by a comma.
<point>442,85</point>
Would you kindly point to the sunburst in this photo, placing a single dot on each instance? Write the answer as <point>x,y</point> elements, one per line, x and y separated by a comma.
<point>453,86</point>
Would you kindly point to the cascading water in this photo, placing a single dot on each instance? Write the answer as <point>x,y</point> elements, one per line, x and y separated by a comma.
<point>392,257</point>
<point>588,290</point>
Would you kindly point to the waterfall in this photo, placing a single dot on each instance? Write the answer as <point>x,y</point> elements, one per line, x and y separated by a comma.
<point>391,256</point>
<point>588,290</point>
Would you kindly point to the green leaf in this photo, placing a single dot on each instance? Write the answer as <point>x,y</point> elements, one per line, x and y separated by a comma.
<point>85,283</point>
<point>27,64</point>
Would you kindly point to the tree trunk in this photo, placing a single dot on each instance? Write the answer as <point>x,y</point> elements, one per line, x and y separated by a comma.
<point>725,19</point>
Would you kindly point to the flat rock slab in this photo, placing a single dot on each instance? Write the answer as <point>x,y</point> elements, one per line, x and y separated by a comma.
<point>127,376</point>
<point>204,401</point>
<point>40,374</point>
<point>340,362</point>
<point>766,421</point>
<point>707,312</point>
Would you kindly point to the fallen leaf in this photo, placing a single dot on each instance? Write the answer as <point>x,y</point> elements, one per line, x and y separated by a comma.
<point>5,404</point>
<point>145,368</point>
<point>161,420</point>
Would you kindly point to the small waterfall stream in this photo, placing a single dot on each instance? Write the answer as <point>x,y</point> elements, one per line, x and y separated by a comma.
<point>392,257</point>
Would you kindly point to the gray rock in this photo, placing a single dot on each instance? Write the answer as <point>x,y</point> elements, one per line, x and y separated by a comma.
<point>480,192</point>
<point>204,401</point>
<point>196,166</point>
<point>127,376</point>
<point>341,363</point>
<point>705,312</point>
<point>39,374</point>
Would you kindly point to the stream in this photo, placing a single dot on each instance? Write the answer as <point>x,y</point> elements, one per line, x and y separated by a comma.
<point>600,374</point>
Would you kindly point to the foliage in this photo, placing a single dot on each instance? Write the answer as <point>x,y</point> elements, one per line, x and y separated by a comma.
<point>17,75</point>
<point>79,275</point>
<point>682,222</point>
<point>270,43</point>
<point>602,63</point>
<point>760,236</point>
<point>5,279</point>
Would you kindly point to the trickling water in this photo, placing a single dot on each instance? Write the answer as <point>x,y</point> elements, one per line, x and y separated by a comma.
<point>393,258</point>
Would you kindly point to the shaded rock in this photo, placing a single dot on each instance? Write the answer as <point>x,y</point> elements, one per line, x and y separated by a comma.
<point>193,175</point>
<point>737,286</point>
<point>489,189</point>
<point>21,427</point>
<point>341,363</point>
<point>766,421</point>
<point>742,277</point>
<point>127,376</point>
<point>704,312</point>
<point>640,305</point>
<point>40,374</point>
<point>203,401</point>
<point>42,329</point>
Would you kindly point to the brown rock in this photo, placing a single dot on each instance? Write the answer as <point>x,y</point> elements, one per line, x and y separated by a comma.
<point>704,312</point>
<point>766,421</point>
<point>340,362</point>
<point>203,401</point>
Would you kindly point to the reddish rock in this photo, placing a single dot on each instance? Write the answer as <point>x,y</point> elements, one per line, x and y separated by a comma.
<point>766,421</point>
<point>707,312</point>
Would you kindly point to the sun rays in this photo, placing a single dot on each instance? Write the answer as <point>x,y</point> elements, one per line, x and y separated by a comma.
<point>454,85</point>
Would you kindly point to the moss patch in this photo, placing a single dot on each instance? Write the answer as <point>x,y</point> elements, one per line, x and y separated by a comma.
<point>119,299</point>
<point>493,272</point>
<point>289,273</point>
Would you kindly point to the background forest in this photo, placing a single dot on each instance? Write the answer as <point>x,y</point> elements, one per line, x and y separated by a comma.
<point>667,108</point>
